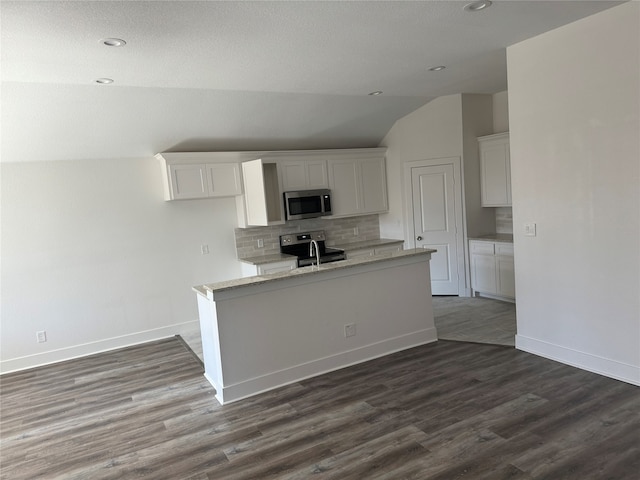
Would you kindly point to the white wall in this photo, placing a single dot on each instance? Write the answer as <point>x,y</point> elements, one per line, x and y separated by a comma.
<point>432,131</point>
<point>574,100</point>
<point>94,256</point>
<point>477,121</point>
<point>501,112</point>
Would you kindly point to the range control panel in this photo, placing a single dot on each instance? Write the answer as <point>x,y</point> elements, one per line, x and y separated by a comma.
<point>297,238</point>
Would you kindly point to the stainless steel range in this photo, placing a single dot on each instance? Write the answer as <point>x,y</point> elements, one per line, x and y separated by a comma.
<point>300,245</point>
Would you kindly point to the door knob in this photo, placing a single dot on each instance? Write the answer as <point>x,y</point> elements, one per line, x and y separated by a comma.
<point>419,238</point>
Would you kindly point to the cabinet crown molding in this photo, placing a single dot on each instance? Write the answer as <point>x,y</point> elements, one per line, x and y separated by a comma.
<point>271,155</point>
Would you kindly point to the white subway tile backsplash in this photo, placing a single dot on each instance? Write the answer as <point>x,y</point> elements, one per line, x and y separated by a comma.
<point>337,230</point>
<point>504,220</point>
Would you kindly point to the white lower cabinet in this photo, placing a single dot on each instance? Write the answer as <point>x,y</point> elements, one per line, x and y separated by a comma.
<point>363,252</point>
<point>368,252</point>
<point>250,269</point>
<point>275,267</point>
<point>492,270</point>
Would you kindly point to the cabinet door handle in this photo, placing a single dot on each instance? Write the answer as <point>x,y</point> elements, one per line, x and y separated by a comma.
<point>419,238</point>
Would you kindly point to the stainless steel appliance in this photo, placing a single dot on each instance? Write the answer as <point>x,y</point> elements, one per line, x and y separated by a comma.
<point>299,244</point>
<point>307,204</point>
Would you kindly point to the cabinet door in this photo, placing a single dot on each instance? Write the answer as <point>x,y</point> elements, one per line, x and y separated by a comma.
<point>374,185</point>
<point>284,266</point>
<point>506,284</point>
<point>483,273</point>
<point>254,193</point>
<point>303,174</point>
<point>188,181</point>
<point>224,179</point>
<point>495,173</point>
<point>366,252</point>
<point>317,174</point>
<point>345,184</point>
<point>294,175</point>
<point>388,248</point>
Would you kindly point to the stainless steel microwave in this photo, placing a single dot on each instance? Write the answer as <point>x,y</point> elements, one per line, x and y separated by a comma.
<point>307,204</point>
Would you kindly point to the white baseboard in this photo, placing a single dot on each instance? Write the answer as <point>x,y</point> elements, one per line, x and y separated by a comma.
<point>82,350</point>
<point>585,361</point>
<point>270,381</point>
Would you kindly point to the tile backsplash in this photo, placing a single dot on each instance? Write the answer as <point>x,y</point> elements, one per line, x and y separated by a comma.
<point>339,231</point>
<point>504,220</point>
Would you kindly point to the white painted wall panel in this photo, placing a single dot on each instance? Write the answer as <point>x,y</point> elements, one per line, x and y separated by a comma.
<point>92,254</point>
<point>574,101</point>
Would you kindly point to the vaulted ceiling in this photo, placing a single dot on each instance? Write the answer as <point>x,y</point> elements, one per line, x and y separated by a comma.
<point>243,75</point>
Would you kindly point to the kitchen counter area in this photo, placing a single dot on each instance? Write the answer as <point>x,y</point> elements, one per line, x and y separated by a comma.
<point>495,237</point>
<point>379,242</point>
<point>266,331</point>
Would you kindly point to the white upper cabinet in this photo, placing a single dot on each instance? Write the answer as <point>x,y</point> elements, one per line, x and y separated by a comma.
<point>224,179</point>
<point>495,170</point>
<point>261,204</point>
<point>303,174</point>
<point>187,181</point>
<point>188,176</point>
<point>358,186</point>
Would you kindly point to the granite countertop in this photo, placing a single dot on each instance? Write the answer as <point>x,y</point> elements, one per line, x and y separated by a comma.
<point>367,244</point>
<point>495,237</point>
<point>262,259</point>
<point>304,271</point>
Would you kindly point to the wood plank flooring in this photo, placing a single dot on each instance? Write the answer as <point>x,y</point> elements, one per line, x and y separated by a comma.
<point>475,319</point>
<point>447,410</point>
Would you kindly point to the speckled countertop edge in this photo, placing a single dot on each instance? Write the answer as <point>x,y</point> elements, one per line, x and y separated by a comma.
<point>304,271</point>
<point>367,244</point>
<point>496,237</point>
<point>262,259</point>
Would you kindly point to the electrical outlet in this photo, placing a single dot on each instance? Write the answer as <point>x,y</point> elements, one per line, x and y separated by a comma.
<point>41,336</point>
<point>530,229</point>
<point>350,330</point>
<point>260,243</point>
<point>204,249</point>
<point>355,231</point>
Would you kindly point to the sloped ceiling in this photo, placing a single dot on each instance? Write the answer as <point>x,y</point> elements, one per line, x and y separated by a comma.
<point>236,75</point>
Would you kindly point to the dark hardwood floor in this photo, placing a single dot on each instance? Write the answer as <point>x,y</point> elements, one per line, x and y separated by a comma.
<point>448,410</point>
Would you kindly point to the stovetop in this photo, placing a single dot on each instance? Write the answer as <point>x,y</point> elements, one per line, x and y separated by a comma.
<point>298,244</point>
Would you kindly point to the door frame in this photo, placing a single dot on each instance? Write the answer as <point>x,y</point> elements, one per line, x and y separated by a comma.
<point>464,289</point>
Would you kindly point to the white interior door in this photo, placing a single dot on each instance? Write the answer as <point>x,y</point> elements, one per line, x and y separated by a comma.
<point>436,221</point>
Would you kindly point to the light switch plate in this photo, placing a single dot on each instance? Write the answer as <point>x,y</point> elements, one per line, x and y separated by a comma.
<point>530,229</point>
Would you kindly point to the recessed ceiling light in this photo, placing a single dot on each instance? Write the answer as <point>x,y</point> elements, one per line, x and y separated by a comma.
<point>376,93</point>
<point>437,69</point>
<point>104,81</point>
<point>477,6</point>
<point>113,42</point>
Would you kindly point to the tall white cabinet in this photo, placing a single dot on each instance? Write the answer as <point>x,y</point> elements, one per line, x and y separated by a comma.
<point>495,170</point>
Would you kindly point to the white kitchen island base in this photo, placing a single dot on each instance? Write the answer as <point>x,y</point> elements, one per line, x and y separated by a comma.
<point>261,333</point>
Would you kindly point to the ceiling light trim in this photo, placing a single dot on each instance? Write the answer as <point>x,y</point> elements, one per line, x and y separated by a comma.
<point>477,6</point>
<point>113,42</point>
<point>104,81</point>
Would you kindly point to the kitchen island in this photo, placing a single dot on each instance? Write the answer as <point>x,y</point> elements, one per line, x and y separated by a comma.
<point>263,332</point>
